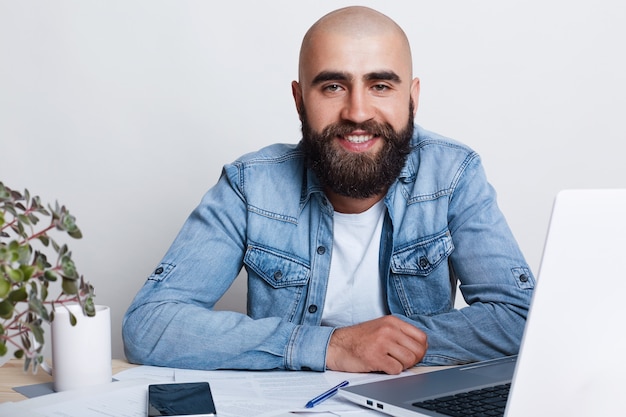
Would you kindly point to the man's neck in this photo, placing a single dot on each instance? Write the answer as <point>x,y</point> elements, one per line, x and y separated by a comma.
<point>349,205</point>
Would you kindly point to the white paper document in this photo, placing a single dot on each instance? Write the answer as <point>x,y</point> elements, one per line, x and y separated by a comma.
<point>116,399</point>
<point>277,393</point>
<point>235,393</point>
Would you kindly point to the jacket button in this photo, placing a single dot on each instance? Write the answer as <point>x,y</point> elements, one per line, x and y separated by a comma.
<point>158,271</point>
<point>312,308</point>
<point>278,275</point>
<point>321,250</point>
<point>424,263</point>
<point>523,278</point>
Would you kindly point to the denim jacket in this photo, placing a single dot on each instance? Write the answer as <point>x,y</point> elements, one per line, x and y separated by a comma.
<point>269,215</point>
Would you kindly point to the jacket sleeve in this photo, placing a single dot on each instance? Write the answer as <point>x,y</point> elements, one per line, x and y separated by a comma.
<point>495,280</point>
<point>172,321</point>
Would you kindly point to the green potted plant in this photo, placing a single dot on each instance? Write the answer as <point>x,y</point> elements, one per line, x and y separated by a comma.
<point>26,273</point>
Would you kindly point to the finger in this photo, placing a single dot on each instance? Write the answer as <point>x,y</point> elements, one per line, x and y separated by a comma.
<point>409,346</point>
<point>391,365</point>
<point>406,357</point>
<point>413,332</point>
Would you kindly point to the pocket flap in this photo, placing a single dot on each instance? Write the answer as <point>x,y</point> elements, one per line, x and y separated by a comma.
<point>423,256</point>
<point>277,269</point>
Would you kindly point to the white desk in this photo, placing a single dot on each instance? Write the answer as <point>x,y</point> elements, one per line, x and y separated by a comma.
<point>236,393</point>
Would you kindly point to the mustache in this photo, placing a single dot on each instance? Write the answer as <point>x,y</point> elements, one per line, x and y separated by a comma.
<point>346,127</point>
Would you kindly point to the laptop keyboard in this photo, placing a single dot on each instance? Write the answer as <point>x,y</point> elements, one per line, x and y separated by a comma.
<point>486,402</point>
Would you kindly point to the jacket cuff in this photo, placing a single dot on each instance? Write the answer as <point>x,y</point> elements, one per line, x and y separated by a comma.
<point>307,348</point>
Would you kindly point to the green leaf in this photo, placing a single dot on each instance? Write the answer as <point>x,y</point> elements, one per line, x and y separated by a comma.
<point>5,287</point>
<point>37,331</point>
<point>22,252</point>
<point>18,295</point>
<point>73,320</point>
<point>33,288</point>
<point>23,219</point>
<point>28,271</point>
<point>67,222</point>
<point>76,233</point>
<point>56,211</point>
<point>69,286</point>
<point>15,275</point>
<point>6,309</point>
<point>11,209</point>
<point>33,219</point>
<point>37,307</point>
<point>44,239</point>
<point>50,275</point>
<point>69,268</point>
<point>89,308</point>
<point>19,354</point>
<point>41,261</point>
<point>44,292</point>
<point>3,348</point>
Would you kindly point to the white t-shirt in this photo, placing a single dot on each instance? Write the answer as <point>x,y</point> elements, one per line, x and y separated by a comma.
<point>354,293</point>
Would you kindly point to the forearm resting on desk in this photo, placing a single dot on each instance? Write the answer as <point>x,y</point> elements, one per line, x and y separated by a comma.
<point>220,340</point>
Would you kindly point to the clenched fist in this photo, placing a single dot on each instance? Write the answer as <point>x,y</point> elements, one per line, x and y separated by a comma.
<point>386,344</point>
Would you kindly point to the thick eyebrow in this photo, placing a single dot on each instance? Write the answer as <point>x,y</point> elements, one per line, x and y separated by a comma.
<point>343,76</point>
<point>383,76</point>
<point>330,76</point>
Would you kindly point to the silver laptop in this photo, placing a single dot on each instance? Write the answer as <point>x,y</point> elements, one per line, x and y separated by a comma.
<point>572,360</point>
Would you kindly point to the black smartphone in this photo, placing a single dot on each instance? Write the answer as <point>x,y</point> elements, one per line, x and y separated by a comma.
<point>185,399</point>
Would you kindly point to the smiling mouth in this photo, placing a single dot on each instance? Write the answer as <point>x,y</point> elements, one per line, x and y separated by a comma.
<point>358,138</point>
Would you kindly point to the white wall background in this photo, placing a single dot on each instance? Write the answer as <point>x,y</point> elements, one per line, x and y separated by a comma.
<point>126,110</point>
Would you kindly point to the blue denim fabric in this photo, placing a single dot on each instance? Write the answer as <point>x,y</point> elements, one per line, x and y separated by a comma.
<point>268,214</point>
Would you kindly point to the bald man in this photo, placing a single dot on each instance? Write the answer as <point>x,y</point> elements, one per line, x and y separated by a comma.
<point>353,239</point>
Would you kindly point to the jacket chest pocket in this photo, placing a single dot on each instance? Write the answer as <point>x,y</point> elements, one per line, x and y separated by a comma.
<point>422,257</point>
<point>276,283</point>
<point>420,276</point>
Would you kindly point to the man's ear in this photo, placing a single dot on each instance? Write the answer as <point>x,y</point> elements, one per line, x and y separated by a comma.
<point>296,91</point>
<point>415,94</point>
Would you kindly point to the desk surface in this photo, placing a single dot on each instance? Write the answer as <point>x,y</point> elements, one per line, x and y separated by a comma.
<point>240,393</point>
<point>12,375</point>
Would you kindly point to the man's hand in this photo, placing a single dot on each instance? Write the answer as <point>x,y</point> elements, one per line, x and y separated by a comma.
<point>386,344</point>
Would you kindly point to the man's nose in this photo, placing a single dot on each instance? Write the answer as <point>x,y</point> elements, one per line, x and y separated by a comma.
<point>357,107</point>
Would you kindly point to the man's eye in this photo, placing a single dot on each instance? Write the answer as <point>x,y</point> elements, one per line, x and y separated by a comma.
<point>332,88</point>
<point>380,87</point>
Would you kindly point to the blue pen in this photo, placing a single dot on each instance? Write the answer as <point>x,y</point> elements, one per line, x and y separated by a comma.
<point>322,397</point>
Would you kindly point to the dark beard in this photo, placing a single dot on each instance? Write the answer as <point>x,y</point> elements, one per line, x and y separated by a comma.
<point>356,175</point>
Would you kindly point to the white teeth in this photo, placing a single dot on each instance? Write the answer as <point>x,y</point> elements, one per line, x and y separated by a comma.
<point>358,138</point>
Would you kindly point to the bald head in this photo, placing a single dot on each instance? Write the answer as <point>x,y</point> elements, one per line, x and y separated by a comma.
<point>356,23</point>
